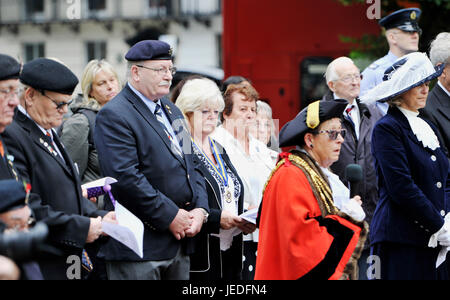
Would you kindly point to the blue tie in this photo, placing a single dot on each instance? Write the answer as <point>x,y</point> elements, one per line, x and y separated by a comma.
<point>159,117</point>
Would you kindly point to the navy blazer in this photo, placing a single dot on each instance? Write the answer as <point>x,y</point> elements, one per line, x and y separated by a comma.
<point>153,181</point>
<point>56,191</point>
<point>413,184</point>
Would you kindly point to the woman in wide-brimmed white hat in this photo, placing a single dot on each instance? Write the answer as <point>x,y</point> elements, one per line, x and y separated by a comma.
<point>411,225</point>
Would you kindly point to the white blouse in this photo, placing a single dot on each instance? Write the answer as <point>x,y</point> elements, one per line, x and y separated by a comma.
<point>253,169</point>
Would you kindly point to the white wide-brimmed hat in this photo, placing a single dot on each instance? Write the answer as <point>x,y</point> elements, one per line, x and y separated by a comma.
<point>407,72</point>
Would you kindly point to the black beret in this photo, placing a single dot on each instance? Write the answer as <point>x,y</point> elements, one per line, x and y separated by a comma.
<point>149,50</point>
<point>9,67</point>
<point>12,195</point>
<point>293,132</point>
<point>404,19</point>
<point>48,75</point>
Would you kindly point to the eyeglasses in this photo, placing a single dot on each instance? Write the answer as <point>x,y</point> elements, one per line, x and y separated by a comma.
<point>10,92</point>
<point>349,78</point>
<point>59,105</point>
<point>160,71</point>
<point>333,134</point>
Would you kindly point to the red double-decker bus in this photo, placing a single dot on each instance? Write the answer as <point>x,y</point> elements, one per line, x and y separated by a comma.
<point>284,46</point>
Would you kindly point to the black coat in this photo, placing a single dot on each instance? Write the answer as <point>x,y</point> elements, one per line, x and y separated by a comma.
<point>60,203</point>
<point>153,181</point>
<point>207,262</point>
<point>438,112</point>
<point>359,152</point>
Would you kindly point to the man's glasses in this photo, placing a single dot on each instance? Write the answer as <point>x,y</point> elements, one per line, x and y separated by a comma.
<point>10,92</point>
<point>349,78</point>
<point>160,71</point>
<point>333,134</point>
<point>59,104</point>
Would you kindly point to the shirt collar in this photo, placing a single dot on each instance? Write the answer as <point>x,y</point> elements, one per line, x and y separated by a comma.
<point>23,110</point>
<point>442,87</point>
<point>150,103</point>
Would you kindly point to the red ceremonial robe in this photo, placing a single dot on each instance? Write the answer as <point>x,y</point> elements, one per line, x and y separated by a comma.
<point>295,240</point>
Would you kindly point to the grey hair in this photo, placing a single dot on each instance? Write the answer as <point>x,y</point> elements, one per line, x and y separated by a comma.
<point>440,49</point>
<point>197,93</point>
<point>330,73</point>
<point>262,106</point>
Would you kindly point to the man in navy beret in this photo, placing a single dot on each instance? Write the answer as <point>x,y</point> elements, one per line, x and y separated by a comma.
<point>141,138</point>
<point>402,33</point>
<point>43,162</point>
<point>9,89</point>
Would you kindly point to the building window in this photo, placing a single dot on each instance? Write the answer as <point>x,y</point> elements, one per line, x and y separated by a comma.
<point>160,8</point>
<point>34,9</point>
<point>312,82</point>
<point>95,50</point>
<point>33,50</point>
<point>97,4</point>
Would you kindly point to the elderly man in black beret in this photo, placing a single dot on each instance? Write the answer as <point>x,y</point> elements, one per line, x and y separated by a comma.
<point>42,161</point>
<point>9,89</point>
<point>138,135</point>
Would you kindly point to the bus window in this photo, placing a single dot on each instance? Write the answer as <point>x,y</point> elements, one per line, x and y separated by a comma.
<point>312,82</point>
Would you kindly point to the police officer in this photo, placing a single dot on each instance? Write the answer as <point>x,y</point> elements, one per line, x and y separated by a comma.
<point>402,33</point>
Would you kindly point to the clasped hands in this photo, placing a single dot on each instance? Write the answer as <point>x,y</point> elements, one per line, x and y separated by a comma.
<point>187,223</point>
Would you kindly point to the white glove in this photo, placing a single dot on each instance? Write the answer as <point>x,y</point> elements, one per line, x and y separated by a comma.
<point>353,209</point>
<point>442,236</point>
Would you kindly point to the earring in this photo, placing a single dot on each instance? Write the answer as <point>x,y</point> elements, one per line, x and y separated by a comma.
<point>311,146</point>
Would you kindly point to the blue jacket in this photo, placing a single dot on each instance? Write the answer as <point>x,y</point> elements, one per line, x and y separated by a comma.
<point>413,184</point>
<point>153,181</point>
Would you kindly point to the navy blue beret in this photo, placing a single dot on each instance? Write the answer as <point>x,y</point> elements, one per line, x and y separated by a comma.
<point>9,67</point>
<point>45,74</point>
<point>405,19</point>
<point>12,195</point>
<point>149,50</point>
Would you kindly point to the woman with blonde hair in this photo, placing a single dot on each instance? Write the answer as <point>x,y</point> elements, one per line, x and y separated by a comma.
<point>99,84</point>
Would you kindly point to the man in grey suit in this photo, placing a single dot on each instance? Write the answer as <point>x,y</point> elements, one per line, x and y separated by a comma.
<point>139,144</point>
<point>438,102</point>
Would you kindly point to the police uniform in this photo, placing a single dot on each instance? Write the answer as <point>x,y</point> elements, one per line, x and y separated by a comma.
<point>403,19</point>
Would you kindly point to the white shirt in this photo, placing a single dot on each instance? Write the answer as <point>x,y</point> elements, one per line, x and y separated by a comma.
<point>253,169</point>
<point>354,114</point>
<point>442,87</point>
<point>341,197</point>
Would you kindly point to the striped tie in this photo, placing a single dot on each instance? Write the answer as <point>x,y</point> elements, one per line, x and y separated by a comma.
<point>159,117</point>
<point>348,111</point>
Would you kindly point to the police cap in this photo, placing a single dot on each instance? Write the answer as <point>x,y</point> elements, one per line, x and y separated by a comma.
<point>403,19</point>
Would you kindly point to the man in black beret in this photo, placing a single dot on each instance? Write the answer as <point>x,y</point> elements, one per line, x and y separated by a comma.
<point>402,34</point>
<point>43,162</point>
<point>138,141</point>
<point>9,89</point>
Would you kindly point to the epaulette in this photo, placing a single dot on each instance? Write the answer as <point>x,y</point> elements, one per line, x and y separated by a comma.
<point>373,66</point>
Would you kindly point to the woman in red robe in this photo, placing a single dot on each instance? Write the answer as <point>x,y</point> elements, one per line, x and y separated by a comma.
<point>303,235</point>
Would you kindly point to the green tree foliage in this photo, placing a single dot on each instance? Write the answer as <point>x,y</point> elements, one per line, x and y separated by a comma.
<point>434,19</point>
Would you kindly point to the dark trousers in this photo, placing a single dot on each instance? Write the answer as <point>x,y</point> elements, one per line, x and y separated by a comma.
<point>406,262</point>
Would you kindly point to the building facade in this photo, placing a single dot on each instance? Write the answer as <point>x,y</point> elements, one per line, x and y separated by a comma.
<point>76,31</point>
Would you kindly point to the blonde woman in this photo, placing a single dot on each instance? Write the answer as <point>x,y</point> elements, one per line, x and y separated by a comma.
<point>99,84</point>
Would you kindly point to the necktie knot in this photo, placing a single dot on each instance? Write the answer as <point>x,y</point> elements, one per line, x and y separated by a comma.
<point>348,110</point>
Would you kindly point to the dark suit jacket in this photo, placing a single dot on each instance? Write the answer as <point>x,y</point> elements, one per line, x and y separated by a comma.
<point>207,262</point>
<point>60,203</point>
<point>153,181</point>
<point>438,112</point>
<point>413,181</point>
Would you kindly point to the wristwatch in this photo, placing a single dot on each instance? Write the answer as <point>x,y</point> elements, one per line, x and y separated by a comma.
<point>205,214</point>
